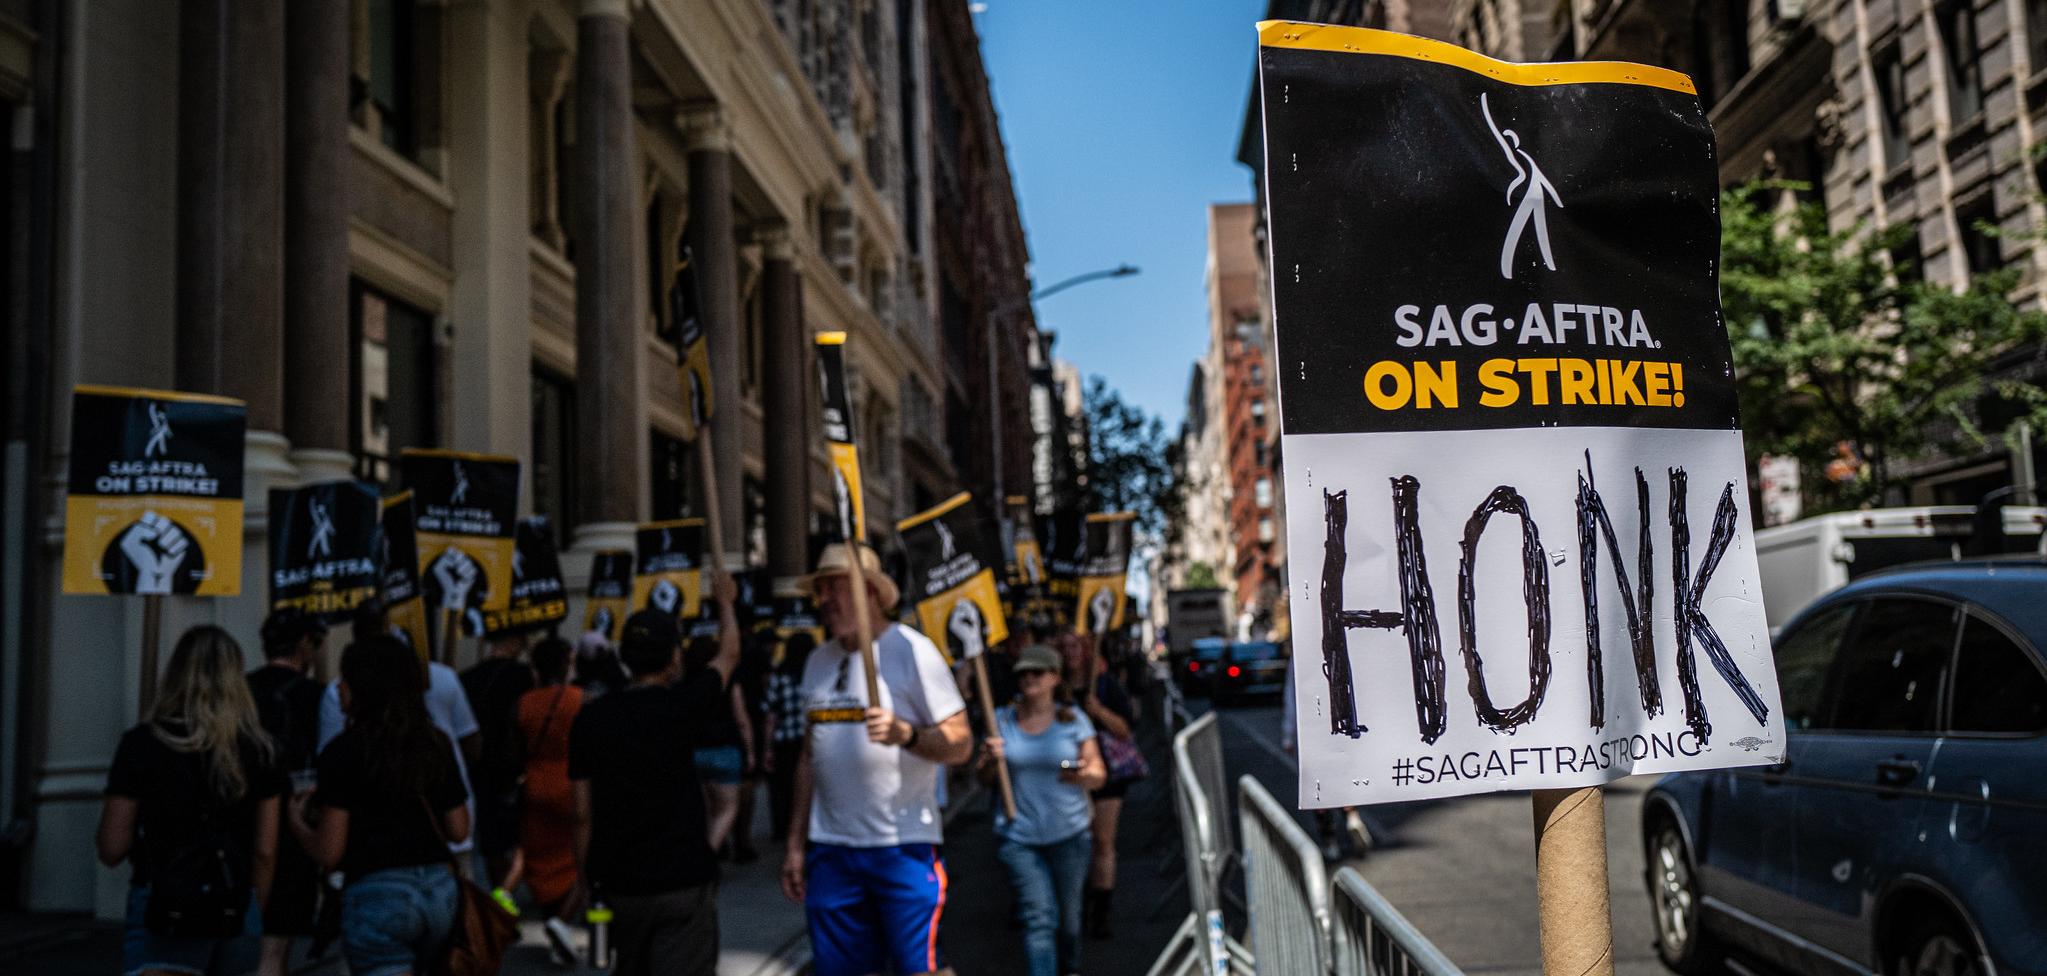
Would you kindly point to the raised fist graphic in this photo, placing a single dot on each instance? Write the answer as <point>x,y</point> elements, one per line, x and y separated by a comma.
<point>456,573</point>
<point>156,547</point>
<point>665,597</point>
<point>1099,611</point>
<point>965,626</point>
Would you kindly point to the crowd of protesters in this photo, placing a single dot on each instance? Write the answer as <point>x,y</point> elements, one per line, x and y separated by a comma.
<point>608,782</point>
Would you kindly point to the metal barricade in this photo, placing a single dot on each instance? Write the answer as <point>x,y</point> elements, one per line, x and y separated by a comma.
<point>1285,886</point>
<point>1201,945</point>
<point>1369,937</point>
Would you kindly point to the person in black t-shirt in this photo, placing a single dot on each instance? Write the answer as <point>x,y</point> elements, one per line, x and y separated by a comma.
<point>288,701</point>
<point>390,800</point>
<point>640,824</point>
<point>493,687</point>
<point>192,800</point>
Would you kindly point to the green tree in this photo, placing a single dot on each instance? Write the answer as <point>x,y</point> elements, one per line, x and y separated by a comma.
<point>1130,463</point>
<point>1832,346</point>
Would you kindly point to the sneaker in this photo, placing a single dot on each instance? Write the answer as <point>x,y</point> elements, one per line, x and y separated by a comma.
<point>1331,850</point>
<point>558,934</point>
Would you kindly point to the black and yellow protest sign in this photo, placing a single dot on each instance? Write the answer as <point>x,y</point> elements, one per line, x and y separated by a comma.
<point>611,592</point>
<point>465,509</point>
<point>951,561</point>
<point>797,615</point>
<point>404,600</point>
<point>1506,386</point>
<point>326,548</point>
<point>1063,534</point>
<point>1103,574</point>
<point>539,597</point>
<point>838,435</point>
<point>1027,558</point>
<point>668,571</point>
<point>692,352</point>
<point>155,499</point>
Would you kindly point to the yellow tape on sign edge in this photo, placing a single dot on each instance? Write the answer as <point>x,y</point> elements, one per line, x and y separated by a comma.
<point>1363,40</point>
<point>831,338</point>
<point>173,396</point>
<point>931,513</point>
<point>435,452</point>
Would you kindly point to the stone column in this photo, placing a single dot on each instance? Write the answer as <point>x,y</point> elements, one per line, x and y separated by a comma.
<point>316,208</point>
<point>786,407</point>
<point>608,332</point>
<point>252,225</point>
<point>202,87</point>
<point>486,357</point>
<point>714,250</point>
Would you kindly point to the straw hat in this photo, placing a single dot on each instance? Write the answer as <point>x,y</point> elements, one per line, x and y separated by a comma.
<point>835,561</point>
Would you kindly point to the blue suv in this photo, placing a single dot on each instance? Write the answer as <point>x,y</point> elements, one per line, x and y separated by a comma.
<point>1906,831</point>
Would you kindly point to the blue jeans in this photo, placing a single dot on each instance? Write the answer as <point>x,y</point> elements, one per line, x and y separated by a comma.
<point>397,920</point>
<point>193,955</point>
<point>1048,879</point>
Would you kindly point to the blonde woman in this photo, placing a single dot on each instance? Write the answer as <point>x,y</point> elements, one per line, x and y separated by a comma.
<point>192,802</point>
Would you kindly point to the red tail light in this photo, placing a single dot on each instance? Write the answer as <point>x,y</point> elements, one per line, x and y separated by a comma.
<point>1194,665</point>
<point>1235,671</point>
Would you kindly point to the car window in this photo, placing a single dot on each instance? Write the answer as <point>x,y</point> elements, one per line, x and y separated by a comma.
<point>1803,657</point>
<point>1887,676</point>
<point>1997,687</point>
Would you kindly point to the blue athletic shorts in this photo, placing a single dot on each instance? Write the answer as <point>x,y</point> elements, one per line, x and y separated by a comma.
<point>874,908</point>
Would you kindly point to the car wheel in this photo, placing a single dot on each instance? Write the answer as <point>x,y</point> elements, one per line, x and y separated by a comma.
<point>1938,947</point>
<point>1674,895</point>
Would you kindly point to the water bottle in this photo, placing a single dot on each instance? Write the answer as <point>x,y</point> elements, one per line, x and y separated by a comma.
<point>599,918</point>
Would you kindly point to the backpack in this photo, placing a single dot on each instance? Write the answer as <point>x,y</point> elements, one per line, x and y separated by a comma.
<point>197,890</point>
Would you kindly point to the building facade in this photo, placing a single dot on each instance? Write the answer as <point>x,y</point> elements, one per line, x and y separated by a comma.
<point>1929,114</point>
<point>413,223</point>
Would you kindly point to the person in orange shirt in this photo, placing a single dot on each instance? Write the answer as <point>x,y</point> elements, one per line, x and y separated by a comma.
<point>547,812</point>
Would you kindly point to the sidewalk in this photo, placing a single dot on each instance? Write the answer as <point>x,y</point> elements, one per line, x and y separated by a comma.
<point>760,933</point>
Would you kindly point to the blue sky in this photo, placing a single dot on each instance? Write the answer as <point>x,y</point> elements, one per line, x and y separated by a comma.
<point>1121,120</point>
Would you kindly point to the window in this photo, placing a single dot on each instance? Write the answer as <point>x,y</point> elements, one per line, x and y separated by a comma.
<point>674,481</point>
<point>1963,52</point>
<point>1265,530</point>
<point>1257,373</point>
<point>1906,261</point>
<point>1258,412</point>
<point>753,503</point>
<point>1262,492</point>
<point>1979,244</point>
<point>1888,68</point>
<point>1802,660</point>
<point>1997,688</point>
<point>392,381</point>
<point>554,452</point>
<point>1887,676</point>
<point>2036,33</point>
<point>396,72</point>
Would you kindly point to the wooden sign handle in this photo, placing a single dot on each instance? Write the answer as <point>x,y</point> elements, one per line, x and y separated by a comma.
<point>988,714</point>
<point>152,637</point>
<point>446,653</point>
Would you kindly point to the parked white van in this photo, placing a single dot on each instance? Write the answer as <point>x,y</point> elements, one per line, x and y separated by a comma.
<point>1805,559</point>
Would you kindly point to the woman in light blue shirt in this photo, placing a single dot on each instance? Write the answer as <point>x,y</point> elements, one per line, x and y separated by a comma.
<point>1053,763</point>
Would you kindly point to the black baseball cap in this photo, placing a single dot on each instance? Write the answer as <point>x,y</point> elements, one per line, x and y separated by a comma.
<point>649,640</point>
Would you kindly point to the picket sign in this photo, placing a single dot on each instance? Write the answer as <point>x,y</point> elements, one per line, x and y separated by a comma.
<point>1496,313</point>
<point>714,522</point>
<point>952,559</point>
<point>837,404</point>
<point>153,503</point>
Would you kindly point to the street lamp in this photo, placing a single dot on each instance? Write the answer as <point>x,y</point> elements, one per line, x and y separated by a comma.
<point>994,349</point>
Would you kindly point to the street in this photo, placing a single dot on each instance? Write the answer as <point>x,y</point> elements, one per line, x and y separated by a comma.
<point>1463,871</point>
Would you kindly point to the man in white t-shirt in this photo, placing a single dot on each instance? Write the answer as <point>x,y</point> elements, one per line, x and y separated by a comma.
<point>866,799</point>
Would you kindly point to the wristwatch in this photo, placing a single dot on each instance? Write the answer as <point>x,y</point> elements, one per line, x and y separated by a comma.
<point>912,740</point>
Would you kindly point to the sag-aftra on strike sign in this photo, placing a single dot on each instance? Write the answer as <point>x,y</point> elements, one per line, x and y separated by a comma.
<point>1519,531</point>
